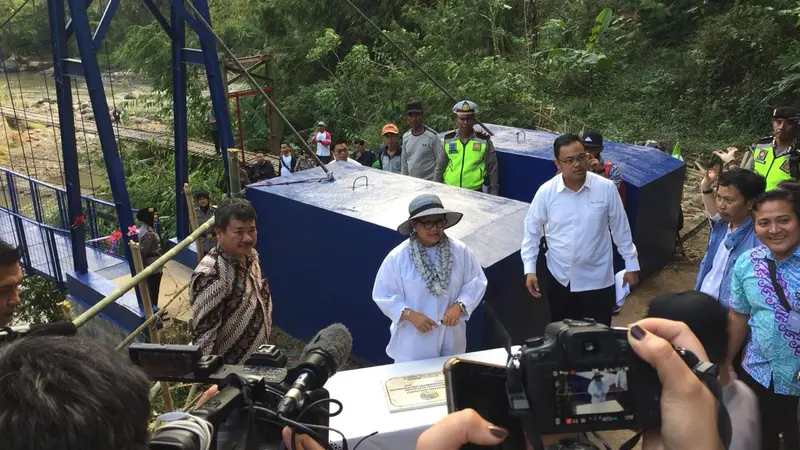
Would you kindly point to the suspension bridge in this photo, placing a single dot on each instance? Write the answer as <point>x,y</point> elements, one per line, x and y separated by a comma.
<point>197,147</point>
<point>76,240</point>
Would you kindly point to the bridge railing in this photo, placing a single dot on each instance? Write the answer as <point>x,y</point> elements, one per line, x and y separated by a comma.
<point>46,204</point>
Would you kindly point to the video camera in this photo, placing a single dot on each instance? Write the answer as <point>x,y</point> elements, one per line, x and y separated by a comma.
<point>583,376</point>
<point>261,390</point>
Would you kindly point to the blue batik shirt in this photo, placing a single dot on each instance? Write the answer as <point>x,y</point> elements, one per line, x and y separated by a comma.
<point>772,352</point>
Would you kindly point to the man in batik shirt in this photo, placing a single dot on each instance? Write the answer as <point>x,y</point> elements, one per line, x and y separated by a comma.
<point>231,304</point>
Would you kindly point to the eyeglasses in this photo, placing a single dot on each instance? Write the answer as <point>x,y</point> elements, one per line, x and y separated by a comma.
<point>341,150</point>
<point>429,224</point>
<point>580,158</point>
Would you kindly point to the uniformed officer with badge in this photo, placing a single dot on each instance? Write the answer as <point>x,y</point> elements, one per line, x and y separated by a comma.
<point>472,161</point>
<point>777,158</point>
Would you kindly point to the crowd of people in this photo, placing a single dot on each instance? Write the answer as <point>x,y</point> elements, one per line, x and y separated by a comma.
<point>465,158</point>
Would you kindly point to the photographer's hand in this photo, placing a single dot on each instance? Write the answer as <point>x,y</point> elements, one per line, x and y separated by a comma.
<point>688,409</point>
<point>460,428</point>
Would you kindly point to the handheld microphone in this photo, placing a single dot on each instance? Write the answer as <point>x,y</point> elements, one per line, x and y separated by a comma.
<point>62,328</point>
<point>321,358</point>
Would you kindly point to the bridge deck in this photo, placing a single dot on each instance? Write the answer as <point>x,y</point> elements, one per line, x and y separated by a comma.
<point>200,148</point>
<point>36,249</point>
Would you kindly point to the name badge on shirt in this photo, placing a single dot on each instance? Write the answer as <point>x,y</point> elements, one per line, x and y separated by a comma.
<point>793,324</point>
<point>453,148</point>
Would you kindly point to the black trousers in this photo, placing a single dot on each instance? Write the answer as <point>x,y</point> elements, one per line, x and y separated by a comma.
<point>597,304</point>
<point>153,286</point>
<point>215,138</point>
<point>325,159</point>
<point>778,415</point>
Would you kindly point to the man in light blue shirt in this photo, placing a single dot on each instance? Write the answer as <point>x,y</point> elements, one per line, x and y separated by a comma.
<point>732,232</point>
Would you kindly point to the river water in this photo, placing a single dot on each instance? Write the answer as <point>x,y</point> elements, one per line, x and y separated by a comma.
<point>33,86</point>
<point>36,152</point>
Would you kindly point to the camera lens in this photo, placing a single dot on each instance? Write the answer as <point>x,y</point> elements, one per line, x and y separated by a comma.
<point>590,346</point>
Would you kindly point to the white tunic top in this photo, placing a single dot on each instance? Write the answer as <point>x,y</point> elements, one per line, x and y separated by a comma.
<point>399,286</point>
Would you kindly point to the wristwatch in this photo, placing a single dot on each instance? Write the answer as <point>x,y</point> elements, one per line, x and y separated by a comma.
<point>405,314</point>
<point>462,306</point>
<point>709,191</point>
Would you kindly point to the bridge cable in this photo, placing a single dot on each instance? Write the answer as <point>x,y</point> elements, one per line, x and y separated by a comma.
<point>111,84</point>
<point>304,144</point>
<point>14,109</point>
<point>50,107</point>
<point>412,61</point>
<point>14,14</point>
<point>85,139</point>
<point>5,133</point>
<point>24,112</point>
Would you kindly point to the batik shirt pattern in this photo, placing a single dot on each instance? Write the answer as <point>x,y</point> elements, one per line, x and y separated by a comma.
<point>772,352</point>
<point>231,305</point>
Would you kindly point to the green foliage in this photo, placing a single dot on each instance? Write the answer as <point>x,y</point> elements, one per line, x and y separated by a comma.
<point>39,301</point>
<point>705,72</point>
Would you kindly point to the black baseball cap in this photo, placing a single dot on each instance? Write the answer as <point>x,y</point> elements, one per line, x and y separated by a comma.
<point>705,316</point>
<point>414,107</point>
<point>787,113</point>
<point>592,139</point>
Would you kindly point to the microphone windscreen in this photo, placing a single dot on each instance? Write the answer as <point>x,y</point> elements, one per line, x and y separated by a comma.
<point>336,341</point>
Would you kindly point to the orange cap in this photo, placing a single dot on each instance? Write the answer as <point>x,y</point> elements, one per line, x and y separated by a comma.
<point>390,128</point>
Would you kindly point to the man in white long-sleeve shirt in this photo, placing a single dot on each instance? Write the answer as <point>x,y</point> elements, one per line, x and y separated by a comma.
<point>428,286</point>
<point>574,212</point>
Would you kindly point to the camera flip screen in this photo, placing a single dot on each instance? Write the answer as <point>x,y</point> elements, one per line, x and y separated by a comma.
<point>592,396</point>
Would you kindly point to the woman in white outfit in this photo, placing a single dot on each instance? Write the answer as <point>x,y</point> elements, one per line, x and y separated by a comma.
<point>429,285</point>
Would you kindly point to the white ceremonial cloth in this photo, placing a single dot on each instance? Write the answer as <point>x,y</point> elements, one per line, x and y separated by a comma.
<point>399,286</point>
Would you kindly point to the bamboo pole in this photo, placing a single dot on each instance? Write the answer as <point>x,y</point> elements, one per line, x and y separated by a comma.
<point>152,319</point>
<point>138,264</point>
<point>127,286</point>
<point>233,166</point>
<point>187,191</point>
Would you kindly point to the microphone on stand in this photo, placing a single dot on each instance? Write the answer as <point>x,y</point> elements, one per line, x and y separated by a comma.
<point>321,358</point>
<point>61,328</point>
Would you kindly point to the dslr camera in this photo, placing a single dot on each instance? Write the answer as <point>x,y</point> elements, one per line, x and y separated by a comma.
<point>583,376</point>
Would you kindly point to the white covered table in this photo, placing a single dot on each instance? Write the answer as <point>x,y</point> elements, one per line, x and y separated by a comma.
<point>366,411</point>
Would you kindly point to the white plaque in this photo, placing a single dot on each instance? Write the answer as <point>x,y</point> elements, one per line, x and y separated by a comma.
<point>415,391</point>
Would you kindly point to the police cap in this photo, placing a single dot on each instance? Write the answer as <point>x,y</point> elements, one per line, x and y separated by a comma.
<point>787,113</point>
<point>465,108</point>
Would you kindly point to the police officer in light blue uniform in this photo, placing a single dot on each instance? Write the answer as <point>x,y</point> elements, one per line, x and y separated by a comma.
<point>471,159</point>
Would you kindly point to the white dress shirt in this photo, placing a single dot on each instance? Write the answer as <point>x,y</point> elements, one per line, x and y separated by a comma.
<point>713,279</point>
<point>286,164</point>
<point>349,160</point>
<point>576,226</point>
<point>398,286</point>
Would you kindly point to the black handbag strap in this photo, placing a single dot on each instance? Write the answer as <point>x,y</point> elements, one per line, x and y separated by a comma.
<point>773,275</point>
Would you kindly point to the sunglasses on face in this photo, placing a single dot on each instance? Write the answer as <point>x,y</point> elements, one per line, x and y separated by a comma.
<point>429,224</point>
